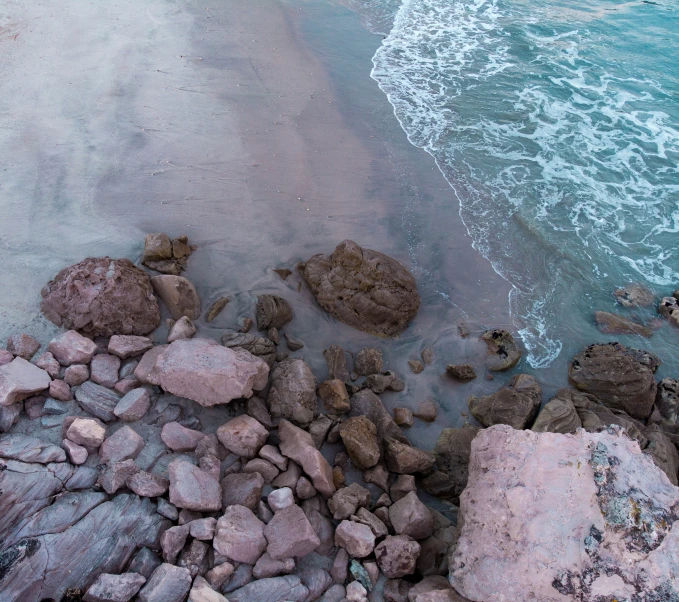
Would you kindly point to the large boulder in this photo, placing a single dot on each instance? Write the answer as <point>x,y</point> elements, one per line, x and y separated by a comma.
<point>293,392</point>
<point>203,370</point>
<point>102,297</point>
<point>589,509</point>
<point>618,377</point>
<point>363,288</point>
<point>516,404</point>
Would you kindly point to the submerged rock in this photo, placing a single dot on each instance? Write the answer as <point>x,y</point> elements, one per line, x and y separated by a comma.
<point>634,295</point>
<point>609,323</point>
<point>363,288</point>
<point>179,296</point>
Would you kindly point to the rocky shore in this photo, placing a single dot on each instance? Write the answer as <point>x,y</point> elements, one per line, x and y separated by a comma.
<point>135,468</point>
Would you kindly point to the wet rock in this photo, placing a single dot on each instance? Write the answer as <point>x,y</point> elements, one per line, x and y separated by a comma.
<point>298,445</point>
<point>503,352</point>
<point>124,444</point>
<point>426,410</point>
<point>348,500</point>
<point>240,535</point>
<point>609,323</point>
<point>20,379</point>
<point>217,308</point>
<point>667,399</point>
<point>386,381</point>
<point>461,371</point>
<point>616,377</point>
<point>337,363</point>
<point>669,308</point>
<point>146,484</point>
<point>287,587</point>
<point>29,449</point>
<point>403,417</point>
<point>202,592</point>
<point>86,432</point>
<point>293,392</point>
<point>293,343</point>
<point>183,328</point>
<point>115,475</point>
<point>178,294</point>
<point>243,436</point>
<point>409,516</point>
<point>557,416</point>
<point>76,374</point>
<point>366,403</point>
<point>663,452</point>
<point>168,583</point>
<point>179,438</point>
<point>615,512</point>
<point>76,453</point>
<point>397,556</point>
<point>133,406</point>
<point>634,295</point>
<point>356,538</point>
<point>369,361</point>
<point>256,345</point>
<point>363,288</point>
<point>359,436</point>
<point>242,489</point>
<point>404,459</point>
<point>416,366</point>
<point>193,489</point>
<point>272,312</point>
<point>172,541</point>
<point>144,563</point>
<point>23,346</point>
<point>104,370</point>
<point>516,405</point>
<point>289,533</point>
<point>101,297</point>
<point>114,588</point>
<point>335,397</point>
<point>97,400</point>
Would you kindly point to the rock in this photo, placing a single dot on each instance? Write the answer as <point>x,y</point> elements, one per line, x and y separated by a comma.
<point>97,400</point>
<point>178,294</point>
<point>338,478</point>
<point>403,485</point>
<point>76,374</point>
<point>426,410</point>
<point>369,361</point>
<point>172,541</point>
<point>180,439</point>
<point>9,415</point>
<point>366,403</point>
<point>363,288</point>
<point>33,407</point>
<point>195,557</point>
<point>304,489</point>
<point>168,583</point>
<point>272,312</point>
<point>337,363</point>
<point>293,392</point>
<point>290,533</point>
<point>616,377</point>
<point>29,449</point>
<point>86,432</point>
<point>348,500</point>
<point>271,453</point>
<point>503,352</point>
<point>183,328</point>
<point>76,453</point>
<point>288,478</point>
<point>217,308</point>
<point>356,592</point>
<point>335,397</point>
<point>379,383</point>
<point>663,452</point>
<point>219,574</point>
<point>274,336</point>
<point>280,499</point>
<point>275,589</point>
<point>124,444</point>
<point>258,346</point>
<point>516,405</point>
<point>404,459</point>
<point>669,308</point>
<point>72,348</point>
<point>440,595</point>
<point>435,583</point>
<point>266,469</point>
<point>116,475</point>
<point>461,371</point>
<point>634,295</point>
<point>243,436</point>
<point>144,563</point>
<point>102,297</point>
<point>377,475</point>
<point>396,590</point>
<point>319,430</point>
<point>340,566</point>
<point>403,417</point>
<point>356,538</point>
<point>203,529</point>
<point>157,247</point>
<point>60,391</point>
<point>206,372</point>
<point>23,346</point>
<point>114,588</point>
<point>240,535</point>
<point>409,516</point>
<point>242,489</point>
<point>416,366</point>
<point>366,517</point>
<point>298,445</point>
<point>146,484</point>
<point>452,451</point>
<point>104,370</point>
<point>256,408</point>
<point>133,406</point>
<point>202,592</point>
<point>557,416</point>
<point>433,559</point>
<point>609,323</point>
<point>48,363</point>
<point>667,399</point>
<point>293,343</point>
<point>193,489</point>
<point>20,379</point>
<point>6,357</point>
<point>397,556</point>
<point>359,436</point>
<point>614,506</point>
<point>125,346</point>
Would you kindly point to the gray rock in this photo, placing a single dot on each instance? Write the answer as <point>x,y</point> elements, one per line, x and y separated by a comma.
<point>168,583</point>
<point>114,588</point>
<point>275,589</point>
<point>29,449</point>
<point>316,580</point>
<point>144,562</point>
<point>293,392</point>
<point>516,405</point>
<point>97,400</point>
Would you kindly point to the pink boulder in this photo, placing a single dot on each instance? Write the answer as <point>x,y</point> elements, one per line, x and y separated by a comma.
<point>240,535</point>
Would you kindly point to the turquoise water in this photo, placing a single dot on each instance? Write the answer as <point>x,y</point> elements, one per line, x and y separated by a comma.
<point>557,126</point>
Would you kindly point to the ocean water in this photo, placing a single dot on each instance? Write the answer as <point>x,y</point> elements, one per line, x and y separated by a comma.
<point>556,125</point>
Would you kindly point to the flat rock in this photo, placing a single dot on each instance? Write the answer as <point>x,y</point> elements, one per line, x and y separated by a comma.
<point>258,346</point>
<point>179,438</point>
<point>609,323</point>
<point>275,589</point>
<point>102,297</point>
<point>20,379</point>
<point>29,449</point>
<point>356,538</point>
<point>409,516</point>
<point>22,345</point>
<point>178,294</point>
<point>97,400</point>
<point>359,436</point>
<point>114,588</point>
<point>240,535</point>
<point>86,432</point>
<point>272,312</point>
<point>206,372</point>
<point>293,392</point>
<point>133,405</point>
<point>363,288</point>
<point>516,404</point>
<point>397,556</point>
<point>289,533</point>
<point>104,369</point>
<point>145,484</point>
<point>124,346</point>
<point>503,352</point>
<point>168,583</point>
<point>193,489</point>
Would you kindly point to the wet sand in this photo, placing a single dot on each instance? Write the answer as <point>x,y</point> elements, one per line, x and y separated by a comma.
<point>255,129</point>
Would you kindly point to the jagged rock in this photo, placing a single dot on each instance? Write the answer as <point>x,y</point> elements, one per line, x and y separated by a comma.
<point>356,592</point>
<point>178,294</point>
<point>503,351</point>
<point>125,346</point>
<point>557,416</point>
<point>516,405</point>
<point>133,405</point>
<point>157,247</point>
<point>337,363</point>
<point>366,403</point>
<point>335,397</point>
<point>206,372</point>
<point>242,575</point>
<point>409,516</point>
<point>304,489</point>
<point>183,328</point>
<point>669,308</point>
<point>275,589</point>
<point>193,489</point>
<point>219,574</point>
<point>23,346</point>
<point>102,297</point>
<point>293,392</point>
<point>240,535</point>
<point>363,288</point>
<point>634,295</point>
<point>403,485</point>
<point>20,379</point>
<point>76,374</point>
<point>323,528</point>
<point>615,508</point>
<point>397,556</point>
<point>356,538</point>
<point>86,432</point>
<point>243,436</point>
<point>116,475</point>
<point>29,449</point>
<point>316,580</point>
<point>433,559</point>
<point>256,345</point>
<point>144,563</point>
<point>405,459</point>
<point>243,489</point>
<point>202,592</point>
<point>194,557</point>
<point>347,500</point>
<point>289,533</point>
<point>124,444</point>
<point>377,475</point>
<point>168,583</point>
<point>203,529</point>
<point>60,391</point>
<point>76,453</point>
<point>369,361</point>
<point>97,400</point>
<point>359,436</point>
<point>256,407</point>
<point>618,377</point>
<point>271,453</point>
<point>179,438</point>
<point>364,516</point>
<point>272,312</point>
<point>145,484</point>
<point>71,348</point>
<point>609,323</point>
<point>48,363</point>
<point>114,588</point>
<point>667,399</point>
<point>172,541</point>
<point>385,381</point>
<point>319,430</point>
<point>281,498</point>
